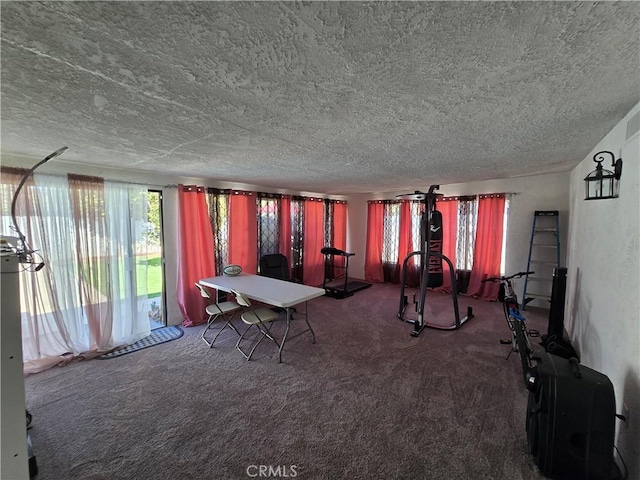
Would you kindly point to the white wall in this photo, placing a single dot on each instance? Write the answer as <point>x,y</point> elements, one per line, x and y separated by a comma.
<point>602,309</point>
<point>538,192</point>
<point>357,233</point>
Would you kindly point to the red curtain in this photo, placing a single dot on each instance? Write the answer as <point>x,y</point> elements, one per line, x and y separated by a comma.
<point>243,231</point>
<point>373,255</point>
<point>448,207</point>
<point>195,251</point>
<point>339,230</point>
<point>488,247</point>
<point>312,259</point>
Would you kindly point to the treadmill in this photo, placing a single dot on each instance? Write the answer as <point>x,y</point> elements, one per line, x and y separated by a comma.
<point>336,277</point>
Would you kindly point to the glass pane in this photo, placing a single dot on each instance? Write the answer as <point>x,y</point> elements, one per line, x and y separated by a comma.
<point>391,233</point>
<point>268,226</point>
<point>417,208</point>
<point>218,216</point>
<point>152,261</point>
<point>297,226</point>
<point>467,220</point>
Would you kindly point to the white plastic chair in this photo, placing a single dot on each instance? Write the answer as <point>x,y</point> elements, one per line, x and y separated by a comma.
<point>223,311</point>
<point>261,318</point>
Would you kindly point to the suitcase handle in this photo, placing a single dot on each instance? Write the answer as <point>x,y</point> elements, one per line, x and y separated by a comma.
<point>575,364</point>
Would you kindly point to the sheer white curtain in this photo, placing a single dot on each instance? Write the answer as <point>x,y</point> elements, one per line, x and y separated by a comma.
<point>91,295</point>
<point>56,324</point>
<point>126,216</point>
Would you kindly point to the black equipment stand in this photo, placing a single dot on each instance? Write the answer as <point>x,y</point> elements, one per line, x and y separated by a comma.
<point>427,254</point>
<point>334,285</point>
<point>554,341</point>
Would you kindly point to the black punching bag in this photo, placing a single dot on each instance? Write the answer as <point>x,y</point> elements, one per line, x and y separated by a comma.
<point>435,245</point>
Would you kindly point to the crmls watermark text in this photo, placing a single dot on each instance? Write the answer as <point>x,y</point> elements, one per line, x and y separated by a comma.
<point>270,471</point>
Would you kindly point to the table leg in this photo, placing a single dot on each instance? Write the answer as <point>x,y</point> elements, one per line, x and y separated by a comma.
<point>306,319</point>
<point>286,332</point>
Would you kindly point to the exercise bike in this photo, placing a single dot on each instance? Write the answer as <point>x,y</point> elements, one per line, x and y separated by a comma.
<point>519,340</point>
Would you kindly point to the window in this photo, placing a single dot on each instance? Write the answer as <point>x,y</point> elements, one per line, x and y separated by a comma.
<point>268,225</point>
<point>417,209</point>
<point>390,232</point>
<point>218,203</point>
<point>466,237</point>
<point>467,218</point>
<point>297,243</point>
<point>328,223</point>
<point>92,237</point>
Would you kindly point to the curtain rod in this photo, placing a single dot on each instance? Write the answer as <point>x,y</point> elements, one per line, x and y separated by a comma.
<point>440,196</point>
<point>506,194</point>
<point>173,185</point>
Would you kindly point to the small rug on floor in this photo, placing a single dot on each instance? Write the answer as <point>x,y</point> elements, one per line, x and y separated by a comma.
<point>158,336</point>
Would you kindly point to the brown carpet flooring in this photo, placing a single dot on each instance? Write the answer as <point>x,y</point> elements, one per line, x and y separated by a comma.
<point>367,401</point>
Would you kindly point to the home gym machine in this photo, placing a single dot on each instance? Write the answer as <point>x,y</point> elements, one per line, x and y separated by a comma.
<point>431,259</point>
<point>339,286</point>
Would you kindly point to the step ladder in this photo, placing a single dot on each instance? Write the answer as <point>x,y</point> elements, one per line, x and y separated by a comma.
<point>544,256</point>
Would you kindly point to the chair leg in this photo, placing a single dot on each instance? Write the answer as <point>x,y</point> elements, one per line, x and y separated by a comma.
<point>210,324</point>
<point>255,345</point>
<point>227,324</point>
<point>264,331</point>
<point>238,347</point>
<point>210,321</point>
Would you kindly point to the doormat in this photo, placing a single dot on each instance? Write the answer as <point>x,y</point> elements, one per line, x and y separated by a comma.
<point>158,336</point>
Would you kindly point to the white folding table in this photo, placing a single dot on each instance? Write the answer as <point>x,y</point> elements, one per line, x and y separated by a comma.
<point>278,293</point>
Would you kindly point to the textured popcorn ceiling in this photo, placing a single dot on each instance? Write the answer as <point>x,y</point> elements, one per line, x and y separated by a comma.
<point>333,97</point>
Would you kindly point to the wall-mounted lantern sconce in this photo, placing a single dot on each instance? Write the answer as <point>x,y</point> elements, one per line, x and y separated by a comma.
<point>603,183</point>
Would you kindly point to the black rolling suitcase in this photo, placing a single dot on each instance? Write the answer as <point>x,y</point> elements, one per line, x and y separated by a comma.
<point>571,420</point>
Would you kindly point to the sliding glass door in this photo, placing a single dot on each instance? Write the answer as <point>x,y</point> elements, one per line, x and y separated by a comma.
<point>153,261</point>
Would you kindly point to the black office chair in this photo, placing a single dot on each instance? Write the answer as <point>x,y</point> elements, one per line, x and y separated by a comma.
<point>275,265</point>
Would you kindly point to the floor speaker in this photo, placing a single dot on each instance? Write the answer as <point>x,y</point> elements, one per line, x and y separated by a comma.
<point>571,420</point>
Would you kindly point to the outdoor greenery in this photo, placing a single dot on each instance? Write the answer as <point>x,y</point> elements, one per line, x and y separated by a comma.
<point>154,260</point>
<point>152,235</point>
<point>154,274</point>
